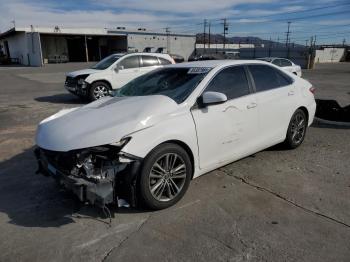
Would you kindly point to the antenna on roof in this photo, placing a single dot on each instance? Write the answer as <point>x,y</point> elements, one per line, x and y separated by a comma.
<point>13,22</point>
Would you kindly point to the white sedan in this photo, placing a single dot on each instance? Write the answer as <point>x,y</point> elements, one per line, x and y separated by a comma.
<point>159,131</point>
<point>284,63</point>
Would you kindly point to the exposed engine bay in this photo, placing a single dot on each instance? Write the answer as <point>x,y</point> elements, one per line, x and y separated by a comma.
<point>98,175</point>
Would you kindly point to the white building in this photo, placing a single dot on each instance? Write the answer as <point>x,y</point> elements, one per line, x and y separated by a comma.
<point>35,46</point>
<point>330,55</point>
<point>227,46</point>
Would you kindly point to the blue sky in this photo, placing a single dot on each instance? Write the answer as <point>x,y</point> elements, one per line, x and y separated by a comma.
<point>330,20</point>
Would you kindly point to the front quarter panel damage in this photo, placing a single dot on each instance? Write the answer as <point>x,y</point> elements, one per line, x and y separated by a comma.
<point>99,176</point>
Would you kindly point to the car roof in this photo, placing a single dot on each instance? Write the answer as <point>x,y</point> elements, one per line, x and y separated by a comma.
<point>272,58</point>
<point>148,53</point>
<point>217,63</point>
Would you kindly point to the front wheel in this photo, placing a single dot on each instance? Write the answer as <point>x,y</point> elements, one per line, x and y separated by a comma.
<point>296,129</point>
<point>98,90</point>
<point>165,176</point>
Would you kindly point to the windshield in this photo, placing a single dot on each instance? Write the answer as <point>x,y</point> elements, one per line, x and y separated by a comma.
<point>106,62</point>
<point>176,83</point>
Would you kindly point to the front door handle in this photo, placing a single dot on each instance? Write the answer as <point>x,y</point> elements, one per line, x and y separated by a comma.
<point>291,93</point>
<point>252,105</point>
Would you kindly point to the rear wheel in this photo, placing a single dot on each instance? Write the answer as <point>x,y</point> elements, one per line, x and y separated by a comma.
<point>98,90</point>
<point>165,176</point>
<point>296,129</point>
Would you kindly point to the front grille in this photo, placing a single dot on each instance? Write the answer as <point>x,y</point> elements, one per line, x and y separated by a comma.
<point>71,81</point>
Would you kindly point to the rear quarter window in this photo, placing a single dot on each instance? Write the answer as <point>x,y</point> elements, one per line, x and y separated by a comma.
<point>267,78</point>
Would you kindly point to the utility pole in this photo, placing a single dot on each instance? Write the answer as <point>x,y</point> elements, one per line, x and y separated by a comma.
<point>13,22</point>
<point>86,49</point>
<point>204,31</point>
<point>209,36</point>
<point>225,30</point>
<point>306,42</point>
<point>167,30</point>
<point>344,41</point>
<point>315,41</point>
<point>288,34</point>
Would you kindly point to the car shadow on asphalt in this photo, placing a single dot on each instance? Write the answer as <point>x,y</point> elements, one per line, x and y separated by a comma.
<point>61,99</point>
<point>335,125</point>
<point>32,200</point>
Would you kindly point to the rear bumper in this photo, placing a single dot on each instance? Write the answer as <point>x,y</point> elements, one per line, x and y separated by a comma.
<point>312,110</point>
<point>121,184</point>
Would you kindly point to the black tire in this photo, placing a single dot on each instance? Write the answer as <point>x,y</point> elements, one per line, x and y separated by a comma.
<point>98,90</point>
<point>147,183</point>
<point>296,129</point>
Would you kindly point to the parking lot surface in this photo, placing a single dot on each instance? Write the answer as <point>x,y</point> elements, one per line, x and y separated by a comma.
<point>276,205</point>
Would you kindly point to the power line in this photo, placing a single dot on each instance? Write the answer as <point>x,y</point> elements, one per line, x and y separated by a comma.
<point>293,12</point>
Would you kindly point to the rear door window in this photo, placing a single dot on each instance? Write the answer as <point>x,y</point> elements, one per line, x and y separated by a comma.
<point>267,77</point>
<point>149,61</point>
<point>231,81</point>
<point>130,62</point>
<point>285,62</point>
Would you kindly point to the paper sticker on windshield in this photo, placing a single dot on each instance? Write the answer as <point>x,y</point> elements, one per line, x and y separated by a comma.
<point>198,70</point>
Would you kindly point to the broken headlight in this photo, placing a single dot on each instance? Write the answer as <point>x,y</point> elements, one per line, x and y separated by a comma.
<point>100,162</point>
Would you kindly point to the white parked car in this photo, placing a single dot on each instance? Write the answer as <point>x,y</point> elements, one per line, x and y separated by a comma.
<point>286,64</point>
<point>171,125</point>
<point>113,72</point>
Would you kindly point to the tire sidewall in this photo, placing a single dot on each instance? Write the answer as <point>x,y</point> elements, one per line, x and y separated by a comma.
<point>146,196</point>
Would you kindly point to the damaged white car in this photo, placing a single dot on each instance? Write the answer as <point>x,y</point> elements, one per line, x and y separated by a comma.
<point>159,131</point>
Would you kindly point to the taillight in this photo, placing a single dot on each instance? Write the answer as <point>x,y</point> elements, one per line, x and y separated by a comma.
<point>312,90</point>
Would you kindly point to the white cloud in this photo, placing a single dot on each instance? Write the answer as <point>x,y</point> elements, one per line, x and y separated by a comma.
<point>181,6</point>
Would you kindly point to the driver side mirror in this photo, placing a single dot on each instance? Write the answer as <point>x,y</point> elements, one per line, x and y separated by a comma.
<point>212,98</point>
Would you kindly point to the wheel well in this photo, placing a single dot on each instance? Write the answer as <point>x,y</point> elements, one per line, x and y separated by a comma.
<point>103,81</point>
<point>305,111</point>
<point>187,149</point>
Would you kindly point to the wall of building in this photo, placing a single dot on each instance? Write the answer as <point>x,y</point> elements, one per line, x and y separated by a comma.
<point>34,49</point>
<point>179,45</point>
<point>25,47</point>
<point>329,55</point>
<point>227,46</point>
<point>18,47</point>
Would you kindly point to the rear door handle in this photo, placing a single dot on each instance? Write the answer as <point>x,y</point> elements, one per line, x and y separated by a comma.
<point>252,105</point>
<point>290,93</point>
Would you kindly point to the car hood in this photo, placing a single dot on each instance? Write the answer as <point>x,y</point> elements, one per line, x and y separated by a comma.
<point>88,71</point>
<point>104,121</point>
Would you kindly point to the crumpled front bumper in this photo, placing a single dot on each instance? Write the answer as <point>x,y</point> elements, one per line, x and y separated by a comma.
<point>120,185</point>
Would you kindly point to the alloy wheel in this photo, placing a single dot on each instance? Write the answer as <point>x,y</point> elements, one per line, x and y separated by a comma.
<point>167,177</point>
<point>298,128</point>
<point>100,91</point>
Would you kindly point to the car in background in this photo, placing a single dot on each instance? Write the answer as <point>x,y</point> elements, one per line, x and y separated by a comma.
<point>113,72</point>
<point>286,64</point>
<point>164,128</point>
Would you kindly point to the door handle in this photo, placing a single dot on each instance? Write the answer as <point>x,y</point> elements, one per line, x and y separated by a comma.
<point>290,93</point>
<point>252,105</point>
